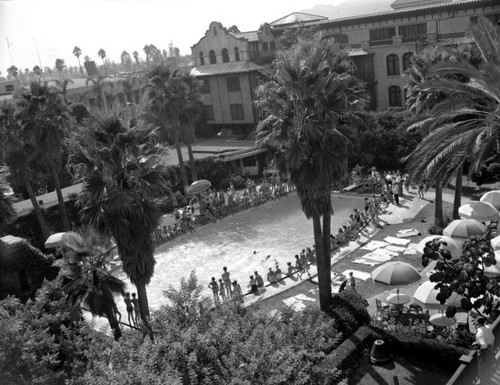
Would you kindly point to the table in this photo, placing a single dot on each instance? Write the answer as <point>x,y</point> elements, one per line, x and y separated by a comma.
<point>440,320</point>
<point>398,298</point>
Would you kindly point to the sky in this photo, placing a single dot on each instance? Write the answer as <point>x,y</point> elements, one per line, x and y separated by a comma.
<point>56,27</point>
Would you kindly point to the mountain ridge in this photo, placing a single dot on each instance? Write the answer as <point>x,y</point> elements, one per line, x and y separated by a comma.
<point>350,8</point>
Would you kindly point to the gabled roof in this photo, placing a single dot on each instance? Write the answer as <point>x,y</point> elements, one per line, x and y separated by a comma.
<point>399,4</point>
<point>226,68</point>
<point>297,17</point>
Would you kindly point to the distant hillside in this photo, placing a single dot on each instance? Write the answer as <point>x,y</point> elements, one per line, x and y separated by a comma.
<point>351,8</point>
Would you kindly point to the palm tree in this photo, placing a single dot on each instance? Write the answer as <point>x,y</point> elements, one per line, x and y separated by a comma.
<point>45,117</point>
<point>19,148</point>
<point>13,71</point>
<point>98,89</point>
<point>63,86</point>
<point>37,71</point>
<point>7,212</point>
<point>464,114</point>
<point>167,95</point>
<point>89,282</point>
<point>60,67</point>
<point>308,104</point>
<point>102,54</point>
<point>121,175</point>
<point>77,52</point>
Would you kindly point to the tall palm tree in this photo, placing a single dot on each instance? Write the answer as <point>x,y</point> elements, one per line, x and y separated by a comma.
<point>121,175</point>
<point>102,54</point>
<point>19,152</point>
<point>44,116</point>
<point>307,105</point>
<point>462,117</point>
<point>167,94</point>
<point>88,281</point>
<point>77,52</point>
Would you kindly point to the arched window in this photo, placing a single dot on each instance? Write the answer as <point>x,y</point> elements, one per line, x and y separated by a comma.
<point>406,60</point>
<point>392,65</point>
<point>202,59</point>
<point>225,56</point>
<point>394,96</point>
<point>213,59</point>
<point>236,54</point>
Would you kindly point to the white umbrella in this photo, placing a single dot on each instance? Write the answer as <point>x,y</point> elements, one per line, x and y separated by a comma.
<point>198,186</point>
<point>426,295</point>
<point>492,197</point>
<point>58,239</point>
<point>493,270</point>
<point>495,243</point>
<point>451,245</point>
<point>396,273</point>
<point>463,229</point>
<point>481,211</point>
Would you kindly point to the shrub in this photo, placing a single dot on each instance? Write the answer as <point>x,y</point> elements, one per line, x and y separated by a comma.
<point>349,309</point>
<point>435,230</point>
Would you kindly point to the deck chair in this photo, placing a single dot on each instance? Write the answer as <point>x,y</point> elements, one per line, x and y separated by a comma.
<point>415,308</point>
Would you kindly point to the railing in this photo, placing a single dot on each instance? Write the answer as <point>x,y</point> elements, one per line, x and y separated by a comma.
<point>469,372</point>
<point>380,42</point>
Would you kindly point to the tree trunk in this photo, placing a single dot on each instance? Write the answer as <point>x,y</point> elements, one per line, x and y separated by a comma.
<point>327,253</point>
<point>191,162</point>
<point>142,296</point>
<point>438,210</point>
<point>113,323</point>
<point>62,208</point>
<point>457,201</point>
<point>38,212</point>
<point>80,65</point>
<point>324,276</point>
<point>182,169</point>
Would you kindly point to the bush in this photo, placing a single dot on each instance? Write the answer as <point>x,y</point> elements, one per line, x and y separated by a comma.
<point>435,230</point>
<point>349,309</point>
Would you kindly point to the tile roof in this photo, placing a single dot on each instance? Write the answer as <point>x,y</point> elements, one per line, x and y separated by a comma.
<point>251,36</point>
<point>226,68</point>
<point>297,17</point>
<point>398,4</point>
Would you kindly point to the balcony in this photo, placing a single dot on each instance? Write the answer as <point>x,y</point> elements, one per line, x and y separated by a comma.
<point>374,43</point>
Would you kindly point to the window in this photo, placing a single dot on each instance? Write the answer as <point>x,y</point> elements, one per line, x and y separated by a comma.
<point>237,112</point>
<point>265,47</point>
<point>249,161</point>
<point>364,67</point>
<point>392,65</point>
<point>205,87</point>
<point>406,60</point>
<point>236,54</point>
<point>394,96</point>
<point>340,38</point>
<point>272,45</point>
<point>413,32</point>
<point>202,59</point>
<point>208,111</point>
<point>382,36</point>
<point>225,56</point>
<point>213,59</point>
<point>233,84</point>
<point>9,88</point>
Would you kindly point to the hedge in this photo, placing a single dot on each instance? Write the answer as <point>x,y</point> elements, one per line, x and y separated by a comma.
<point>350,311</point>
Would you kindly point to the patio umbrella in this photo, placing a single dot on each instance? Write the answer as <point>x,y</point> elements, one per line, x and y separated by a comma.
<point>398,298</point>
<point>451,245</point>
<point>198,186</point>
<point>426,295</point>
<point>480,211</point>
<point>58,239</point>
<point>493,270</point>
<point>462,229</point>
<point>492,197</point>
<point>495,243</point>
<point>396,273</point>
<point>441,320</point>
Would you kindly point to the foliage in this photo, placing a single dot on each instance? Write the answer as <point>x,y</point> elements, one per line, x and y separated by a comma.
<point>291,36</point>
<point>79,111</point>
<point>41,343</point>
<point>379,143</point>
<point>215,170</point>
<point>350,310</point>
<point>435,230</point>
<point>465,276</point>
<point>7,212</point>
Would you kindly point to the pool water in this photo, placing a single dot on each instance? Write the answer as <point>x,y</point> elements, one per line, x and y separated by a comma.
<point>252,240</point>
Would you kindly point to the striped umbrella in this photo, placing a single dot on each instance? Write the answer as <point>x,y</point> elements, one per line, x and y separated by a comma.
<point>492,197</point>
<point>493,270</point>
<point>463,229</point>
<point>396,273</point>
<point>481,211</point>
<point>426,295</point>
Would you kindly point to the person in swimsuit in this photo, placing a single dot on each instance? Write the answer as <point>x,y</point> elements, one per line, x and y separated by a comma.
<point>253,285</point>
<point>137,310</point>
<point>238,294</point>
<point>215,290</point>
<point>227,282</point>
<point>130,309</point>
<point>298,266</point>
<point>222,290</point>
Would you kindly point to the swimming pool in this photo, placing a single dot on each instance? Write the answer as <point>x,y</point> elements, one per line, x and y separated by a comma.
<point>278,228</point>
